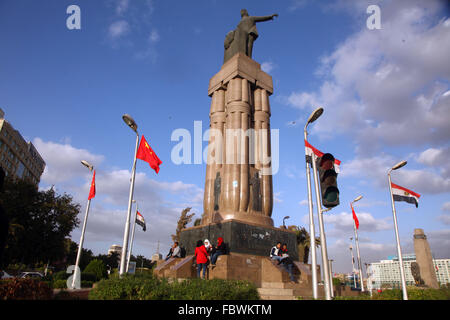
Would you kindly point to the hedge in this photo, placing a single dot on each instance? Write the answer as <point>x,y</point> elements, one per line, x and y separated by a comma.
<point>397,294</point>
<point>25,289</point>
<point>147,287</point>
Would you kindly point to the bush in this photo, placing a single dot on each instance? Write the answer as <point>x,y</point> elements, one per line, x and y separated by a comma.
<point>147,287</point>
<point>98,268</point>
<point>89,276</point>
<point>60,284</point>
<point>25,289</point>
<point>397,294</point>
<point>86,284</point>
<point>61,275</point>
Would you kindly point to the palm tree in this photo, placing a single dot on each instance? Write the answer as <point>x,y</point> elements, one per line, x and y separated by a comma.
<point>303,242</point>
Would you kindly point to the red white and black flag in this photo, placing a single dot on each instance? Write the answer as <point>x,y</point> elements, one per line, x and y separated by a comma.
<point>403,194</point>
<point>140,221</point>
<point>309,150</point>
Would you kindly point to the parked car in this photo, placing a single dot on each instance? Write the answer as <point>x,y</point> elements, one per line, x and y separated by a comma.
<point>5,275</point>
<point>31,274</point>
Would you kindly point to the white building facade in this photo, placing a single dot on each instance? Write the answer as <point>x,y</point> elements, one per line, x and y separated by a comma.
<point>387,272</point>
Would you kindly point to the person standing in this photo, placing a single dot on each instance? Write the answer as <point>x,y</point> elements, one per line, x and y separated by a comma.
<point>201,256</point>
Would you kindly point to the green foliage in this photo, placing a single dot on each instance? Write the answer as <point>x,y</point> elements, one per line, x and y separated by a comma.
<point>396,294</point>
<point>25,289</point>
<point>42,220</point>
<point>147,287</point>
<point>86,284</point>
<point>61,275</point>
<point>60,284</point>
<point>336,282</point>
<point>98,268</point>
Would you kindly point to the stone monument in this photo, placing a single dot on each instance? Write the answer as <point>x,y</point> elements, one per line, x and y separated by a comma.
<point>424,260</point>
<point>238,195</point>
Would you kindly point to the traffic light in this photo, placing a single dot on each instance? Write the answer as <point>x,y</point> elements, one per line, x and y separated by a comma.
<point>328,181</point>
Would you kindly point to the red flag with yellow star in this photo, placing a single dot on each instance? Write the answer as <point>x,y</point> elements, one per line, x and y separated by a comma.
<point>146,153</point>
<point>92,190</point>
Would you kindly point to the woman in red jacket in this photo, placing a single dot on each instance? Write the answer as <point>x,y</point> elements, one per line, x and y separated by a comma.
<point>201,256</point>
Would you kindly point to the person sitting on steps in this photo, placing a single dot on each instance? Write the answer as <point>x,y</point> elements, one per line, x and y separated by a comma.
<point>286,262</point>
<point>275,252</point>
<point>218,251</point>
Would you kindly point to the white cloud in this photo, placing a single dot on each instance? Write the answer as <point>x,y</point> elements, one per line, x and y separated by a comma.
<point>154,36</point>
<point>267,66</point>
<point>118,29</point>
<point>63,161</point>
<point>304,202</point>
<point>376,168</point>
<point>446,206</point>
<point>378,84</point>
<point>122,6</point>
<point>343,223</point>
<point>276,197</point>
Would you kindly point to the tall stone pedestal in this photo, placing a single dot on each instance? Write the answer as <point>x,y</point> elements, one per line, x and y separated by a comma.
<point>424,259</point>
<point>238,182</point>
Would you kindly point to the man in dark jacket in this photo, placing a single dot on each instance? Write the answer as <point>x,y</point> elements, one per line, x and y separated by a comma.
<point>220,249</point>
<point>286,262</point>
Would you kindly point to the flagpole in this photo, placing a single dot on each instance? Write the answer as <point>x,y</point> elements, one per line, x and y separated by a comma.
<point>130,122</point>
<point>132,237</point>
<point>397,238</point>
<point>353,263</point>
<point>80,245</point>
<point>312,233</point>
<point>357,252</point>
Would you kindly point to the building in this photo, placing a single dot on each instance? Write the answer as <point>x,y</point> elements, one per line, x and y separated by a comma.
<point>18,158</point>
<point>387,272</point>
<point>115,248</point>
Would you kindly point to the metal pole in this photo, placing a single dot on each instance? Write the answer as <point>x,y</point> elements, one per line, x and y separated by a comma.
<point>359,257</point>
<point>399,249</point>
<point>312,234</point>
<point>331,278</point>
<point>353,266</point>
<point>132,238</point>
<point>127,224</point>
<point>80,245</point>
<point>323,241</point>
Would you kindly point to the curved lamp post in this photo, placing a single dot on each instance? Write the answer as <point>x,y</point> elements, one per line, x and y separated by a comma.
<point>80,245</point>
<point>397,238</point>
<point>287,217</point>
<point>123,258</point>
<point>313,117</point>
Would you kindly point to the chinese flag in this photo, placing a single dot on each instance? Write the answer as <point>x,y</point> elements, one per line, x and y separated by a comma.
<point>355,218</point>
<point>92,191</point>
<point>146,153</point>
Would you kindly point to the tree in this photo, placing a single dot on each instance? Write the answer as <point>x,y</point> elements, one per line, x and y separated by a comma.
<point>98,268</point>
<point>40,222</point>
<point>184,219</point>
<point>303,242</point>
<point>197,222</point>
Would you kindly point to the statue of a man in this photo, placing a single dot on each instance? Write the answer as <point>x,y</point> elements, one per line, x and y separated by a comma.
<point>242,38</point>
<point>256,201</point>
<point>217,182</point>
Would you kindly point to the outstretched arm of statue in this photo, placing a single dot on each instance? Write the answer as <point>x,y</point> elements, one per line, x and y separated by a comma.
<point>264,18</point>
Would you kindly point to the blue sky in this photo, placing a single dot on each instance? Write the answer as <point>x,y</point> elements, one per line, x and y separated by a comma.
<point>385,94</point>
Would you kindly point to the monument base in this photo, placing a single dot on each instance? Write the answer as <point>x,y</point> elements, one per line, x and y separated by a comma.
<point>240,237</point>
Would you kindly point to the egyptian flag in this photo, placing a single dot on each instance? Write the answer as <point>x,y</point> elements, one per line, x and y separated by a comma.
<point>403,194</point>
<point>146,153</point>
<point>140,221</point>
<point>309,150</point>
<point>355,218</point>
<point>92,190</point>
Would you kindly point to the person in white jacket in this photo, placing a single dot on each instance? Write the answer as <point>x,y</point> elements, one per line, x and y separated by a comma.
<point>275,252</point>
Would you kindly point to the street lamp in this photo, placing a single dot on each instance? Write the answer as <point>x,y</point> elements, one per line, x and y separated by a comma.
<point>397,238</point>
<point>313,117</point>
<point>132,124</point>
<point>132,236</point>
<point>287,217</point>
<point>76,275</point>
<point>357,246</point>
